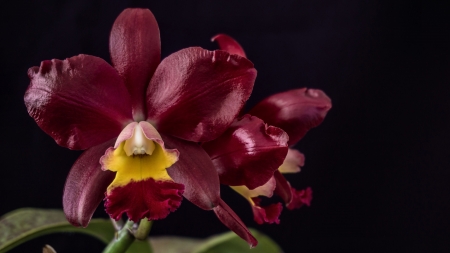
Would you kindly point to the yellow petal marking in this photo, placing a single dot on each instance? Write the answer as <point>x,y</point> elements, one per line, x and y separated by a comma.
<point>139,167</point>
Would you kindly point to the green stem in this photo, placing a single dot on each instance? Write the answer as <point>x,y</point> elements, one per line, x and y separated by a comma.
<point>143,230</point>
<point>124,239</point>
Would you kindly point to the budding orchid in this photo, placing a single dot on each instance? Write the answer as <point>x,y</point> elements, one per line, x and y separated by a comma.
<point>140,122</point>
<point>295,112</point>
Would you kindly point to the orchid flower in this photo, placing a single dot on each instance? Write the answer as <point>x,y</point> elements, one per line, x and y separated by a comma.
<point>140,122</point>
<point>295,111</point>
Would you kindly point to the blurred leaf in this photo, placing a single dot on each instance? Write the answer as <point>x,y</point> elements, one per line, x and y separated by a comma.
<point>231,243</point>
<point>140,247</point>
<point>25,224</point>
<point>174,244</point>
<point>224,243</point>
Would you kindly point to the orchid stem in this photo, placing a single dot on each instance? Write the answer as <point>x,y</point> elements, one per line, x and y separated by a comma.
<point>127,235</point>
<point>123,240</point>
<point>143,230</point>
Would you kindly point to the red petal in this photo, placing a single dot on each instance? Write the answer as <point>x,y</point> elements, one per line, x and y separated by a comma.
<point>80,102</point>
<point>135,49</point>
<point>283,188</point>
<point>228,44</point>
<point>266,214</point>
<point>300,198</point>
<point>196,172</point>
<point>248,152</point>
<point>195,94</point>
<point>86,185</point>
<point>230,219</point>
<point>294,111</point>
<point>144,199</point>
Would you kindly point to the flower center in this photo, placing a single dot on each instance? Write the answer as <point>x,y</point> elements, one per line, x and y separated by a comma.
<point>138,144</point>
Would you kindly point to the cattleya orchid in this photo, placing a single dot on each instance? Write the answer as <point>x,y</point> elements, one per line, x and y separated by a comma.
<point>295,111</point>
<point>141,121</point>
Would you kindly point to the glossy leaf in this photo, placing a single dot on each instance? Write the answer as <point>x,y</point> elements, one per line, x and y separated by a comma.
<point>230,242</point>
<point>227,242</point>
<point>25,224</point>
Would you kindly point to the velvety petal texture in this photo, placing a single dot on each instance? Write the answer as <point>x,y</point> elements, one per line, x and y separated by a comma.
<point>80,102</point>
<point>294,111</point>
<point>248,152</point>
<point>196,172</point>
<point>148,198</point>
<point>195,94</point>
<point>266,214</point>
<point>229,218</point>
<point>300,198</point>
<point>228,44</point>
<point>85,186</point>
<point>293,162</point>
<point>135,49</point>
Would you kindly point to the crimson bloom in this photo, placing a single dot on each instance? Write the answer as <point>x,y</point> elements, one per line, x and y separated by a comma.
<point>295,111</point>
<point>140,122</point>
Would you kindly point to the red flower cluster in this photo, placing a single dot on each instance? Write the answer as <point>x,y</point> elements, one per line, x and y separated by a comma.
<point>155,131</point>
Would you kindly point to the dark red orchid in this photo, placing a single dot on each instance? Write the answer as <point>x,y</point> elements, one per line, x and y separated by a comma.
<point>142,119</point>
<point>295,112</point>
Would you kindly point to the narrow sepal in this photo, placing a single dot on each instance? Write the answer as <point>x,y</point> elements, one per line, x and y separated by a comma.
<point>228,44</point>
<point>135,49</point>
<point>86,185</point>
<point>195,94</point>
<point>248,152</point>
<point>283,188</point>
<point>294,111</point>
<point>196,172</point>
<point>148,198</point>
<point>230,219</point>
<point>300,198</point>
<point>80,102</point>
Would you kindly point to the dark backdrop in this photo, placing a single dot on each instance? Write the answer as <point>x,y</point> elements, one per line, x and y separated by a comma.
<point>379,164</point>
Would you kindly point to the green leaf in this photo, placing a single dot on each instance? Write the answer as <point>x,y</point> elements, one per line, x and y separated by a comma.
<point>231,243</point>
<point>140,247</point>
<point>224,243</point>
<point>174,244</point>
<point>25,224</point>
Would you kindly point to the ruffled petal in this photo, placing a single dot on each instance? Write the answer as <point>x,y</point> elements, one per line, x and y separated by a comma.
<point>266,214</point>
<point>195,94</point>
<point>80,102</point>
<point>293,162</point>
<point>248,152</point>
<point>300,198</point>
<point>294,111</point>
<point>86,185</point>
<point>196,172</point>
<point>283,188</point>
<point>152,199</point>
<point>142,188</point>
<point>230,219</point>
<point>135,48</point>
<point>228,44</point>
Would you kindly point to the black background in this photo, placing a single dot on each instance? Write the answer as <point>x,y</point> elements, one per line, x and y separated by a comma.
<point>378,165</point>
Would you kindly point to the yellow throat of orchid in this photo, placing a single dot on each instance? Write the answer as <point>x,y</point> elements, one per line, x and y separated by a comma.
<point>140,157</point>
